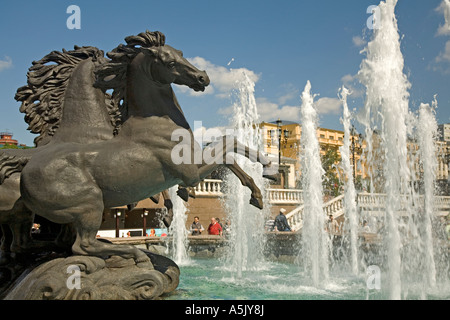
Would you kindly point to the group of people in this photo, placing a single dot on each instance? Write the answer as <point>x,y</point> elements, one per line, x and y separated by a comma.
<point>214,228</point>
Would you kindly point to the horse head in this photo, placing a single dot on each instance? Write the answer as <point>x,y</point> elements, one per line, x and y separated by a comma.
<point>144,64</point>
<point>167,65</point>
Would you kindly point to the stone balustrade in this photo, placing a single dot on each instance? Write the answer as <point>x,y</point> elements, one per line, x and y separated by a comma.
<point>209,188</point>
<point>213,188</point>
<point>285,196</point>
<point>366,202</point>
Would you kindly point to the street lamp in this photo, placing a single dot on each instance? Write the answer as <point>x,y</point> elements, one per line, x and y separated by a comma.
<point>281,134</point>
<point>118,214</point>
<point>145,222</point>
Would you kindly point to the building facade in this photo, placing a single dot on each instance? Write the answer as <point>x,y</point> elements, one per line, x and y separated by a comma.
<point>6,139</point>
<point>283,139</point>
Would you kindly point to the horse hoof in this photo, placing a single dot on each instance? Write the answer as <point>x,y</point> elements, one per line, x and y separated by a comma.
<point>183,194</point>
<point>167,222</point>
<point>131,206</point>
<point>256,202</point>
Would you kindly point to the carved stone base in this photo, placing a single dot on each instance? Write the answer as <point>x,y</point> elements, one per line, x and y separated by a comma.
<point>92,278</point>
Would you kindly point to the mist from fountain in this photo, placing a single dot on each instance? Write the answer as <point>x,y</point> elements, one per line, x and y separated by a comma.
<point>427,134</point>
<point>407,234</point>
<point>177,230</point>
<point>247,222</point>
<point>351,213</point>
<point>315,242</point>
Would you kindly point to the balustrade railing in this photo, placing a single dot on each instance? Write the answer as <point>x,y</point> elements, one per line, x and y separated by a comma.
<point>209,187</point>
<point>367,202</point>
<point>213,188</point>
<point>333,207</point>
<point>285,196</point>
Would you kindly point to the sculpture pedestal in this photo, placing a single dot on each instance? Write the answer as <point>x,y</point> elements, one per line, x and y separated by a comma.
<point>93,278</point>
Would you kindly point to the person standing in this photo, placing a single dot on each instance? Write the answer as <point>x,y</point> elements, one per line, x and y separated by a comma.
<point>214,228</point>
<point>332,225</point>
<point>281,222</point>
<point>196,227</point>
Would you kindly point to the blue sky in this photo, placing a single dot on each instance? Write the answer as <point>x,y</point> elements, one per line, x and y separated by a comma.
<point>281,44</point>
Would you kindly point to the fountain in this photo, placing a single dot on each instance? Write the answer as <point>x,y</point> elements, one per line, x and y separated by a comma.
<point>427,134</point>
<point>246,221</point>
<point>314,244</point>
<point>177,231</point>
<point>407,238</point>
<point>412,263</point>
<point>351,214</point>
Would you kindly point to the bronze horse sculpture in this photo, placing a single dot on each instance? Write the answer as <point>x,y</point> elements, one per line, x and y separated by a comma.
<point>98,151</point>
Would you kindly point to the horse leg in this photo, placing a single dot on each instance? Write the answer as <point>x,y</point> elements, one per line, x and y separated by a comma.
<point>20,223</point>
<point>247,181</point>
<point>230,145</point>
<point>5,246</point>
<point>168,217</point>
<point>222,157</point>
<point>86,242</point>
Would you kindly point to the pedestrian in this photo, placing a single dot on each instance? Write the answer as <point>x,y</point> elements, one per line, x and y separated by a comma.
<point>332,225</point>
<point>196,228</point>
<point>365,228</point>
<point>214,228</point>
<point>281,222</point>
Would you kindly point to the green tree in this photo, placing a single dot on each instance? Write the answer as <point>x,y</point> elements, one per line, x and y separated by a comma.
<point>9,146</point>
<point>331,182</point>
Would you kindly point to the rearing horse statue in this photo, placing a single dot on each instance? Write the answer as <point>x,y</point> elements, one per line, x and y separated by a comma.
<point>71,182</point>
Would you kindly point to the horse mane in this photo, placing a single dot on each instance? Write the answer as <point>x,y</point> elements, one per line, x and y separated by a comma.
<point>113,74</point>
<point>42,98</point>
<point>10,164</point>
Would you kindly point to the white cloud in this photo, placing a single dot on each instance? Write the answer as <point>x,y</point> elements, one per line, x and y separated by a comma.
<point>442,61</point>
<point>444,56</point>
<point>328,105</point>
<point>269,111</point>
<point>5,64</point>
<point>223,80</point>
<point>291,93</point>
<point>358,41</point>
<point>444,8</point>
<point>352,83</point>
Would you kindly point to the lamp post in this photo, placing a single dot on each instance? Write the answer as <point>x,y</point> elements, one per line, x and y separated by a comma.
<point>118,214</point>
<point>280,134</point>
<point>144,216</point>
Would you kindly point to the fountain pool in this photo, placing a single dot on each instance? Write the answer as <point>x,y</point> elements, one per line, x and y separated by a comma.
<point>208,279</point>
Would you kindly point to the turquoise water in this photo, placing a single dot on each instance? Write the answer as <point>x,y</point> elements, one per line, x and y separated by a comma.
<point>209,279</point>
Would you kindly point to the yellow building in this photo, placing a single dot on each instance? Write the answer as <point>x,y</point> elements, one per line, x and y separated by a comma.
<point>288,135</point>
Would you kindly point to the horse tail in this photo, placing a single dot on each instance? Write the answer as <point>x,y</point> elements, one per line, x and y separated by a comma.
<point>13,161</point>
<point>43,96</point>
